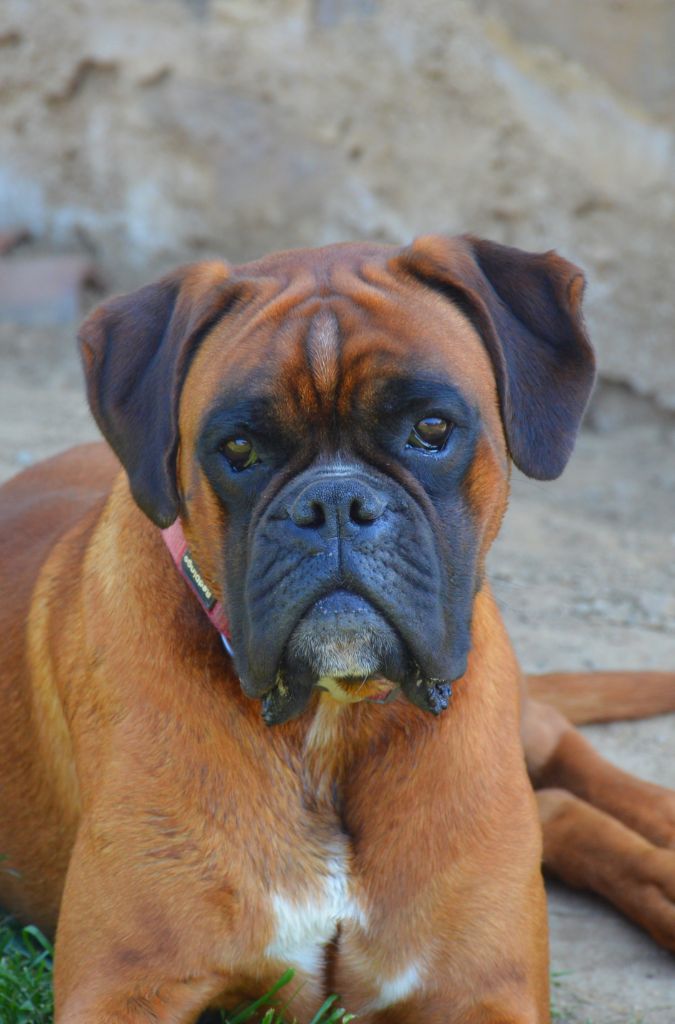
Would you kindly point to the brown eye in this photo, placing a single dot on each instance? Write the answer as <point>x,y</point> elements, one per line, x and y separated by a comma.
<point>430,434</point>
<point>239,452</point>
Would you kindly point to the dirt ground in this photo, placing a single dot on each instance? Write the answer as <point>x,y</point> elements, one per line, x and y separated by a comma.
<point>584,574</point>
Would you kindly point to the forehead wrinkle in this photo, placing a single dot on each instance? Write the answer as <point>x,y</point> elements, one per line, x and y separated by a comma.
<point>322,348</point>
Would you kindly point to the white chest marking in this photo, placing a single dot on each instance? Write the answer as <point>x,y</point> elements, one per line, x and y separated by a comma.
<point>398,988</point>
<point>304,924</point>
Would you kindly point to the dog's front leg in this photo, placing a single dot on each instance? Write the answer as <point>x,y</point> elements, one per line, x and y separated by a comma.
<point>443,1009</point>
<point>176,1002</point>
<point>127,951</point>
<point>91,993</point>
<point>474,954</point>
<point>511,1006</point>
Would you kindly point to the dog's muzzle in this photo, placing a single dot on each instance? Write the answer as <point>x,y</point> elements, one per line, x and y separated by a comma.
<point>345,576</point>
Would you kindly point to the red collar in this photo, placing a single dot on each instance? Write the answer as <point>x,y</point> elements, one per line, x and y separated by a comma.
<point>174,538</point>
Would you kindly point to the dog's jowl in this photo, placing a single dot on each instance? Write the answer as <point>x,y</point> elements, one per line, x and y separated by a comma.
<point>259,707</point>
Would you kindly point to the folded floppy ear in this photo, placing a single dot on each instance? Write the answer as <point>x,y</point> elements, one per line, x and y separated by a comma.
<point>527,309</point>
<point>136,350</point>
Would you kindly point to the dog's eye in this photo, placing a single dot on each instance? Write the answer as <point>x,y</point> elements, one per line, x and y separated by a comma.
<point>430,434</point>
<point>239,452</point>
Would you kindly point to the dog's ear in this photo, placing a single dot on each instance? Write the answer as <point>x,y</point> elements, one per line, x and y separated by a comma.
<point>136,350</point>
<point>527,309</point>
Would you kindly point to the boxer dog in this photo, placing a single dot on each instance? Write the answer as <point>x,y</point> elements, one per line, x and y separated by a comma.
<point>259,707</point>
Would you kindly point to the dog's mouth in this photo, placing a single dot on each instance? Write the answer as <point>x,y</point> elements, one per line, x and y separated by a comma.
<point>344,646</point>
<point>352,690</point>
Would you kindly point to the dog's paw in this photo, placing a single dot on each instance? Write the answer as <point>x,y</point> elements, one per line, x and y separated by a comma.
<point>649,896</point>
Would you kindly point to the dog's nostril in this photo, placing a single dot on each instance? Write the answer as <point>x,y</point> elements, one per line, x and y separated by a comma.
<point>308,512</point>
<point>319,515</point>
<point>366,508</point>
<point>363,511</point>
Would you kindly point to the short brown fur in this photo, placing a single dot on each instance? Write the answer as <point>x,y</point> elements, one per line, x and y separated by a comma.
<point>143,795</point>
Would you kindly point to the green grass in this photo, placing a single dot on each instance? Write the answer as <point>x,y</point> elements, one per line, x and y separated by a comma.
<point>26,985</point>
<point>327,1014</point>
<point>25,975</point>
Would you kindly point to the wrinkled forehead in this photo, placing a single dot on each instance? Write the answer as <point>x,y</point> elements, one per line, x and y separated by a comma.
<point>323,341</point>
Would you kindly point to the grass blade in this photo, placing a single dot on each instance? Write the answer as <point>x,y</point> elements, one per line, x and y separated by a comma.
<point>247,1013</point>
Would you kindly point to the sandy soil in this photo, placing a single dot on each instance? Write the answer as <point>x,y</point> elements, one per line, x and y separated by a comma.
<point>584,573</point>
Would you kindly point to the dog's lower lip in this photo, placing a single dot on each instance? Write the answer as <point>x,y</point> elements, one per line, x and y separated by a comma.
<point>352,689</point>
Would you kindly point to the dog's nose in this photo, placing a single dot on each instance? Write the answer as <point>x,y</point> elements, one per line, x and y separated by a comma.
<point>334,506</point>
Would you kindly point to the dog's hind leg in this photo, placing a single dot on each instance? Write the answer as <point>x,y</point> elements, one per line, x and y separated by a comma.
<point>585,697</point>
<point>603,829</point>
<point>559,756</point>
<point>589,849</point>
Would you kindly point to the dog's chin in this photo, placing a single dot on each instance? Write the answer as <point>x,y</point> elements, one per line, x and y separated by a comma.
<point>343,636</point>
<point>345,646</point>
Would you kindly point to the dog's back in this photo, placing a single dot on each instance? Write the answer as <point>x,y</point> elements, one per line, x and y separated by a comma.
<point>37,508</point>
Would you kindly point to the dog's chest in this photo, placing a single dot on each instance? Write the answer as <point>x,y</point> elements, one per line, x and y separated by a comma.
<point>306,919</point>
<point>324,894</point>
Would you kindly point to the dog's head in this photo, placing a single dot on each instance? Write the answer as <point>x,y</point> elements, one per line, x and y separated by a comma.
<point>334,428</point>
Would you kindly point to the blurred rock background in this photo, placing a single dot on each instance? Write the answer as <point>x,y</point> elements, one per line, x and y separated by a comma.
<point>145,132</point>
<point>136,134</point>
